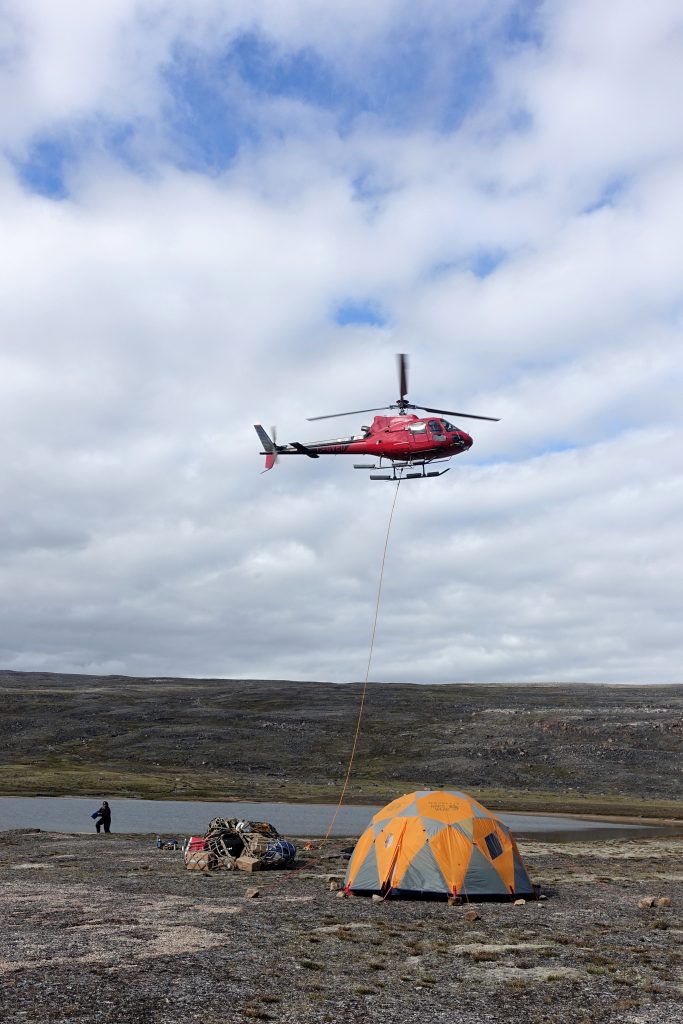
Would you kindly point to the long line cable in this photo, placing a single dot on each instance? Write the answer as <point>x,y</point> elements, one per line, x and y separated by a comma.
<point>361,708</point>
<point>294,871</point>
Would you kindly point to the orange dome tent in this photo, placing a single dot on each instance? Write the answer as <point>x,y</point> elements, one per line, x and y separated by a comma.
<point>437,843</point>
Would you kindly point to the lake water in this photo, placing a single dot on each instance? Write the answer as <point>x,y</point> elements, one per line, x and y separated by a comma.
<point>184,817</point>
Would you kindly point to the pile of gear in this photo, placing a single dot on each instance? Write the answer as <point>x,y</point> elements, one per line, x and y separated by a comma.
<point>230,843</point>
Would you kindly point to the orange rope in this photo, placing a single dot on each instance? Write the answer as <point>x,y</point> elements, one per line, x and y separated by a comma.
<point>367,672</point>
<point>294,871</point>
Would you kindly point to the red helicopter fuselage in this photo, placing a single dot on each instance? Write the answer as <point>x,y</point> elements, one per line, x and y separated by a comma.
<point>400,438</point>
<point>404,439</point>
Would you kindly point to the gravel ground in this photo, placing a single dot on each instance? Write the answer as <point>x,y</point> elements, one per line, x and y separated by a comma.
<point>107,928</point>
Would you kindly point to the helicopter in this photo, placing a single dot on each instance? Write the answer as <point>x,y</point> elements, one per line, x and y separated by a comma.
<point>404,444</point>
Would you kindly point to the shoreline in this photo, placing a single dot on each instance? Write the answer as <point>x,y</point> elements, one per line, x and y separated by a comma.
<point>533,812</point>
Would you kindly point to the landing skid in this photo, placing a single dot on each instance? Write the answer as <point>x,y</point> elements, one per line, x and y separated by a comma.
<point>399,471</point>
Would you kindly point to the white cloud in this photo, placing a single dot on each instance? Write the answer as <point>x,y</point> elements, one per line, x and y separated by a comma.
<point>149,320</point>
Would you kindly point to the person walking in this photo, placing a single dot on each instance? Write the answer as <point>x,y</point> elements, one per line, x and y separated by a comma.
<point>103,817</point>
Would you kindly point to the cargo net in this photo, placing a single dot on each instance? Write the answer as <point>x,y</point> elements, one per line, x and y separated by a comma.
<point>260,841</point>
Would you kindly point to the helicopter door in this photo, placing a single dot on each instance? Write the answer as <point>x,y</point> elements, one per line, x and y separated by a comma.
<point>436,431</point>
<point>417,432</point>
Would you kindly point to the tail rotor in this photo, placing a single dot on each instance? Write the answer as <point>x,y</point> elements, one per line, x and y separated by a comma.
<point>273,434</point>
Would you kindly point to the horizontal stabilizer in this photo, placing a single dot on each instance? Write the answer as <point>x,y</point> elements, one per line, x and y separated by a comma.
<point>303,450</point>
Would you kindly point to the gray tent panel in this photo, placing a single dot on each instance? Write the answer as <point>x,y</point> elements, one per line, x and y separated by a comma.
<point>407,812</point>
<point>523,886</point>
<point>410,811</point>
<point>432,827</point>
<point>479,813</point>
<point>466,826</point>
<point>368,873</point>
<point>423,875</point>
<point>482,879</point>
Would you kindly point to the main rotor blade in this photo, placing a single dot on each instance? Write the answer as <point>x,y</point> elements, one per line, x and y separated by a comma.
<point>354,412</point>
<point>402,359</point>
<point>466,415</point>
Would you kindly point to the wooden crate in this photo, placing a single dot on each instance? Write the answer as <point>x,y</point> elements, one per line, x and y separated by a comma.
<point>200,860</point>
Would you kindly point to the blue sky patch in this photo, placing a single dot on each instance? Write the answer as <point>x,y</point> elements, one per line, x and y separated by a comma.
<point>202,113</point>
<point>300,74</point>
<point>221,99</point>
<point>482,263</point>
<point>217,102</point>
<point>352,312</point>
<point>609,195</point>
<point>523,24</point>
<point>485,261</point>
<point>43,169</point>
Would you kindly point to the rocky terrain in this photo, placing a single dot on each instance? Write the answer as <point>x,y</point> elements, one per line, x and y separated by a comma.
<point>108,928</point>
<point>602,749</point>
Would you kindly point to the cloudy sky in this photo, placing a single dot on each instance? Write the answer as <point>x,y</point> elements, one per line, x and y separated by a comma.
<point>222,212</point>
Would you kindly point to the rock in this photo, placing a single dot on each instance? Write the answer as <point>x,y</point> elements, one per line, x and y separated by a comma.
<point>519,903</point>
<point>472,916</point>
<point>340,894</point>
<point>334,885</point>
<point>647,901</point>
<point>376,898</point>
<point>454,901</point>
<point>332,878</point>
<point>663,901</point>
<point>251,893</point>
<point>543,897</point>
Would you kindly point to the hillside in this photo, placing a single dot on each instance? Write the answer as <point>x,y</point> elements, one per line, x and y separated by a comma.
<point>603,749</point>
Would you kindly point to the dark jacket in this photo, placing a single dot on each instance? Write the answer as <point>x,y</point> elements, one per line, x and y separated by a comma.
<point>104,814</point>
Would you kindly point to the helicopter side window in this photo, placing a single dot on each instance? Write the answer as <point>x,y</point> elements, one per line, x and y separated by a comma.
<point>435,427</point>
<point>417,428</point>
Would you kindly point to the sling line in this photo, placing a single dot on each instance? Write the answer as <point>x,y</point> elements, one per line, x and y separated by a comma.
<point>294,871</point>
<point>364,691</point>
